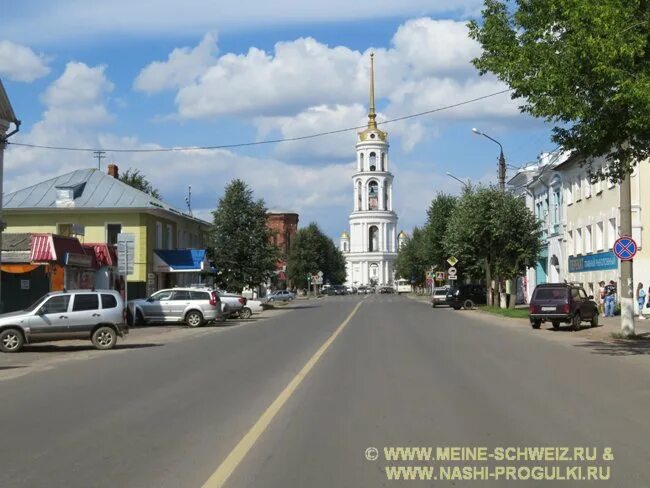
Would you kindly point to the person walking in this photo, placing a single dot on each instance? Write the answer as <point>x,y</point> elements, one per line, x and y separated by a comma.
<point>610,298</point>
<point>601,298</point>
<point>640,298</point>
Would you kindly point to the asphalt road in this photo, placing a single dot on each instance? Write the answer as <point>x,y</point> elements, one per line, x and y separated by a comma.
<point>397,374</point>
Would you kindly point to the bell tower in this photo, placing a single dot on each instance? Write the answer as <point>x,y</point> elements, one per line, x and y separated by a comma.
<point>372,238</point>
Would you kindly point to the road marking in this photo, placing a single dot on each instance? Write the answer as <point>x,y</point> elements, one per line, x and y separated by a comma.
<point>236,456</point>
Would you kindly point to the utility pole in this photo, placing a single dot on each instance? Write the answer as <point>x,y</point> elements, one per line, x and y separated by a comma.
<point>627,278</point>
<point>99,155</point>
<point>502,171</point>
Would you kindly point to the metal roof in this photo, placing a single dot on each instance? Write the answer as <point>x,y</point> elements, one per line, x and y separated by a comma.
<point>98,191</point>
<point>6,112</point>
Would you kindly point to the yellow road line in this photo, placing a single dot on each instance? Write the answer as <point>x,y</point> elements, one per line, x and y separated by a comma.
<point>228,466</point>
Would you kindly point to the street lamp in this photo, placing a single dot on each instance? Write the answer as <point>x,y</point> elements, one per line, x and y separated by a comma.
<point>502,159</point>
<point>465,185</point>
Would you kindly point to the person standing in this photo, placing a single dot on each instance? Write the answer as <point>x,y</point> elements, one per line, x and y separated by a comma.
<point>640,298</point>
<point>601,297</point>
<point>610,298</point>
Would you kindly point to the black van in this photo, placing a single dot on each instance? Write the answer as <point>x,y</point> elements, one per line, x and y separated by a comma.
<point>466,296</point>
<point>562,303</point>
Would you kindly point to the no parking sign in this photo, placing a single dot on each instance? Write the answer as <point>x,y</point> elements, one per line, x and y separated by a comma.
<point>625,248</point>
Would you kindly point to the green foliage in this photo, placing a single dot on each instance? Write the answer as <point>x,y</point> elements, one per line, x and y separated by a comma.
<point>412,263</point>
<point>134,178</point>
<point>517,313</point>
<point>312,251</point>
<point>438,215</point>
<point>493,231</point>
<point>581,64</point>
<point>240,240</point>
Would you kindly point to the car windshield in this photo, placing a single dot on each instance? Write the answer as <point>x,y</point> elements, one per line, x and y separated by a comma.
<point>36,304</point>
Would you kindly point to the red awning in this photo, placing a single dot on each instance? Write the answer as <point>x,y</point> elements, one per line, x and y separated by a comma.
<point>103,254</point>
<point>50,247</point>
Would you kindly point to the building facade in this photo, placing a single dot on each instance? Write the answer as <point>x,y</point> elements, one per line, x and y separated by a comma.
<point>370,247</point>
<point>283,226</point>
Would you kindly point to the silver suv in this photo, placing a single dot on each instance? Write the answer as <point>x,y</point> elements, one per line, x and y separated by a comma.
<point>97,315</point>
<point>194,306</point>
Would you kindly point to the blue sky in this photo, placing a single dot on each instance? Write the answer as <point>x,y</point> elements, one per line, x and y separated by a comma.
<point>216,73</point>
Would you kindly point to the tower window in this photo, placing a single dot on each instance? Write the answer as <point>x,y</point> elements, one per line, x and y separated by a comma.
<point>386,197</point>
<point>359,196</point>
<point>373,239</point>
<point>373,195</point>
<point>361,162</point>
<point>383,161</point>
<point>372,160</point>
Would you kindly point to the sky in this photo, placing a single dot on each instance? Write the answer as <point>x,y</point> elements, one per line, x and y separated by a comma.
<point>148,75</point>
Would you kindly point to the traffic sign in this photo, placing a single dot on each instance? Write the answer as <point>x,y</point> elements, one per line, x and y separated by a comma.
<point>316,280</point>
<point>625,248</point>
<point>452,261</point>
<point>452,271</point>
<point>440,276</point>
<point>453,277</point>
<point>125,253</point>
<point>320,274</point>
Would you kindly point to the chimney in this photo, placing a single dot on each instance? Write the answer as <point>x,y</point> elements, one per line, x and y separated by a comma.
<point>113,170</point>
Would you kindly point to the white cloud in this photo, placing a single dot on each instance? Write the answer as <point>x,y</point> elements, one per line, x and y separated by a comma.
<point>182,67</point>
<point>20,63</point>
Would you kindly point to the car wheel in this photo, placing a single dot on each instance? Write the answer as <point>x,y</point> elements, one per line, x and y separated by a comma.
<point>576,321</point>
<point>194,319</point>
<point>536,324</point>
<point>468,304</point>
<point>594,319</point>
<point>104,338</point>
<point>11,340</point>
<point>556,324</point>
<point>433,305</point>
<point>246,313</point>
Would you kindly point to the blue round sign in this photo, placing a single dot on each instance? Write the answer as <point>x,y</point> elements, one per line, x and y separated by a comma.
<point>625,248</point>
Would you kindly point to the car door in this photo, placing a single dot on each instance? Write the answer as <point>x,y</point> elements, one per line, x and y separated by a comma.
<point>84,315</point>
<point>179,302</point>
<point>586,306</point>
<point>50,322</point>
<point>154,307</point>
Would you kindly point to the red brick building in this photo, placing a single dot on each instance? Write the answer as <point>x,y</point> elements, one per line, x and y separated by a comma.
<point>284,226</point>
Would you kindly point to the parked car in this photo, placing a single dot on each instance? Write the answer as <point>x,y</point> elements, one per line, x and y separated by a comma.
<point>194,306</point>
<point>255,306</point>
<point>562,303</point>
<point>281,296</point>
<point>351,290</point>
<point>386,289</point>
<point>96,315</point>
<point>363,290</point>
<point>233,305</point>
<point>340,289</point>
<point>439,296</point>
<point>466,296</point>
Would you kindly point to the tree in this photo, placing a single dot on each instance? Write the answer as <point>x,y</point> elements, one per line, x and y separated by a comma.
<point>134,178</point>
<point>312,251</point>
<point>580,64</point>
<point>411,263</point>
<point>240,241</point>
<point>493,233</point>
<point>434,247</point>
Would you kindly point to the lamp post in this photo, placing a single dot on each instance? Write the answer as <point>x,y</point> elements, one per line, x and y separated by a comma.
<point>467,185</point>
<point>502,159</point>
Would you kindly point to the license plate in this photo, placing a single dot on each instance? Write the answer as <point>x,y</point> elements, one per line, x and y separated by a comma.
<point>548,309</point>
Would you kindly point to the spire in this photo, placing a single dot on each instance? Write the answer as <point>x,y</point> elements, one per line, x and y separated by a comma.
<point>372,122</point>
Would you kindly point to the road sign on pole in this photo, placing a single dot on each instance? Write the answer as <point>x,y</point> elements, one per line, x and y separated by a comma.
<point>440,276</point>
<point>453,277</point>
<point>452,271</point>
<point>452,261</point>
<point>625,248</point>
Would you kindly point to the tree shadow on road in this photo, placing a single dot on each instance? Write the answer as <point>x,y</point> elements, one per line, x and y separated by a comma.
<point>2,368</point>
<point>620,347</point>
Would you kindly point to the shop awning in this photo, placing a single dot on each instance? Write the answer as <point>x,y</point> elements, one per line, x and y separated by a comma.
<point>180,260</point>
<point>104,254</point>
<point>46,248</point>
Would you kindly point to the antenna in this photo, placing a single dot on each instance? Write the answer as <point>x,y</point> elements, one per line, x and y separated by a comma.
<point>188,199</point>
<point>99,155</point>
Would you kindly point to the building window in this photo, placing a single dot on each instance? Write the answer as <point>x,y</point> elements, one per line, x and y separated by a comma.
<point>372,160</point>
<point>577,189</point>
<point>345,247</point>
<point>579,241</point>
<point>587,187</point>
<point>169,244</point>
<point>373,195</point>
<point>599,236</point>
<point>588,248</point>
<point>612,233</point>
<point>569,243</point>
<point>386,197</point>
<point>112,230</point>
<point>64,230</point>
<point>159,235</point>
<point>373,238</point>
<point>383,162</point>
<point>359,196</point>
<point>361,162</point>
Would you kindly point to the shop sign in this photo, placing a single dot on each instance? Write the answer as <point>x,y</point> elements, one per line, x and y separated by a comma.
<point>593,262</point>
<point>24,284</point>
<point>78,260</point>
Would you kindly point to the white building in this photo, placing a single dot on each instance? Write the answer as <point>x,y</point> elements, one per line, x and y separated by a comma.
<point>370,249</point>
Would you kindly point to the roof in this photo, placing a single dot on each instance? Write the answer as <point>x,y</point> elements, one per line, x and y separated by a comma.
<point>6,111</point>
<point>49,247</point>
<point>15,242</point>
<point>92,190</point>
<point>345,234</point>
<point>180,260</point>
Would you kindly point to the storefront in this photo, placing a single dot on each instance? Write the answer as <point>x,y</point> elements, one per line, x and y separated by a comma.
<point>68,264</point>
<point>105,264</point>
<point>590,269</point>
<point>178,267</point>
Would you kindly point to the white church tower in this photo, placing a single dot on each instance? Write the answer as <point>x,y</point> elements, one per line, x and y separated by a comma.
<point>370,249</point>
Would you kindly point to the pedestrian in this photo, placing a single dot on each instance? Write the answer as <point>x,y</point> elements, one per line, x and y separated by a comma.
<point>640,298</point>
<point>601,297</point>
<point>610,298</point>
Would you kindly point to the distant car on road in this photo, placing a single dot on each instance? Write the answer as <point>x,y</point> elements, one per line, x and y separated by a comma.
<point>439,296</point>
<point>466,296</point>
<point>194,306</point>
<point>403,286</point>
<point>386,289</point>
<point>281,296</point>
<point>97,315</point>
<point>562,303</point>
<point>363,290</point>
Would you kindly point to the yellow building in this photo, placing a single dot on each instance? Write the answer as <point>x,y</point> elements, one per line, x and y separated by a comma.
<point>96,207</point>
<point>592,225</point>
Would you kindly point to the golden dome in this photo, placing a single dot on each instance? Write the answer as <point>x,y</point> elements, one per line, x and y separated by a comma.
<point>345,235</point>
<point>402,235</point>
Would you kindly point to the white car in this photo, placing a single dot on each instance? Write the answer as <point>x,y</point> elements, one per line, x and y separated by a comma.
<point>255,306</point>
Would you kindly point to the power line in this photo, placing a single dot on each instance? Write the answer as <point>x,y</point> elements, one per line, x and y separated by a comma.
<point>260,143</point>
